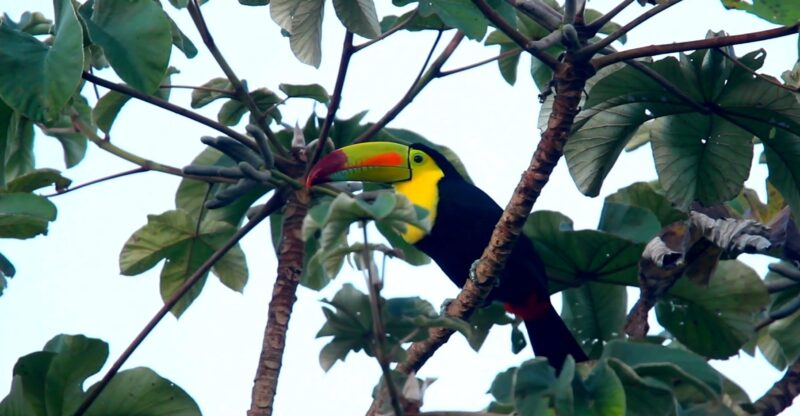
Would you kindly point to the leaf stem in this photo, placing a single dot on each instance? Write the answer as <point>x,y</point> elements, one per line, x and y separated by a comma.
<point>601,21</point>
<point>199,88</point>
<point>715,42</point>
<point>138,160</point>
<point>124,89</point>
<point>394,29</point>
<point>140,169</point>
<point>415,89</point>
<point>503,55</point>
<point>590,50</point>
<point>273,204</point>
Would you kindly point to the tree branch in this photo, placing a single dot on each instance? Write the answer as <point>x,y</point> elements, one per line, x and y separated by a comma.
<point>124,89</point>
<point>598,24</point>
<point>503,55</point>
<point>146,164</point>
<point>378,329</point>
<point>769,79</point>
<point>290,268</point>
<point>715,42</point>
<point>429,75</point>
<point>514,34</point>
<point>92,394</point>
<point>333,106</point>
<point>570,79</point>
<point>781,394</point>
<point>590,50</point>
<point>240,90</point>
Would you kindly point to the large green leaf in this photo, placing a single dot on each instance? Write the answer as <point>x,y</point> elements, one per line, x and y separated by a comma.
<point>359,17</point>
<point>576,257</point>
<point>177,237</point>
<point>136,37</point>
<point>37,80</point>
<point>691,146</point>
<point>606,394</point>
<point>595,312</point>
<point>645,196</point>
<point>37,179</point>
<point>303,21</point>
<point>776,11</point>
<point>19,157</point>
<point>694,378</point>
<point>73,144</point>
<point>718,320</point>
<point>50,382</point>
<point>24,215</point>
<point>644,396</point>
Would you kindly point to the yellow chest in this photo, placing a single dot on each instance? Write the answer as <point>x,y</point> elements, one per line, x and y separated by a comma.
<point>423,191</point>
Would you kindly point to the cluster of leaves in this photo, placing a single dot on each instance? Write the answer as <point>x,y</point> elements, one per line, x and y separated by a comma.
<point>628,379</point>
<point>50,382</point>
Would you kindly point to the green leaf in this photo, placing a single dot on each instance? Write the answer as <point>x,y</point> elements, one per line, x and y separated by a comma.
<point>24,215</point>
<point>314,91</point>
<point>142,391</point>
<point>181,41</point>
<point>644,195</point>
<point>175,236</point>
<point>73,144</point>
<point>19,157</point>
<point>232,111</point>
<point>573,258</point>
<point>254,2</point>
<point>783,156</point>
<point>37,80</point>
<point>37,179</point>
<point>359,17</point>
<point>630,222</point>
<point>484,319</point>
<point>644,396</point>
<point>606,391</point>
<point>775,11</point>
<point>671,366</point>
<point>303,21</point>
<point>595,313</point>
<point>716,321</point>
<point>460,14</point>
<point>136,37</point>
<point>202,97</point>
<point>107,109</point>
<point>701,158</point>
<point>50,382</point>
<point>508,65</point>
<point>7,270</point>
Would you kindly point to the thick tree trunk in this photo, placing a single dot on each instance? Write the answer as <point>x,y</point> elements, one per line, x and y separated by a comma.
<point>290,267</point>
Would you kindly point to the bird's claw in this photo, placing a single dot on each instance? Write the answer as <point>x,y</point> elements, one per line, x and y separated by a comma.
<point>473,271</point>
<point>445,304</point>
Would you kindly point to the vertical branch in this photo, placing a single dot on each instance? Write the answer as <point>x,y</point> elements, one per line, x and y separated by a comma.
<point>333,106</point>
<point>374,284</point>
<point>290,267</point>
<point>781,394</point>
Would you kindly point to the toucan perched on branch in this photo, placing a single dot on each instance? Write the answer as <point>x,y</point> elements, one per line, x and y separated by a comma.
<point>463,218</point>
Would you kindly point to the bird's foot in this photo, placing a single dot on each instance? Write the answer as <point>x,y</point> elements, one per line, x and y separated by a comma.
<point>473,271</point>
<point>445,304</point>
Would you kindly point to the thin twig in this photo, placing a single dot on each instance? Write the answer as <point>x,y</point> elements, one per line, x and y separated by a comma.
<point>228,93</point>
<point>333,106</point>
<point>414,90</point>
<point>91,396</point>
<point>138,160</point>
<point>240,90</point>
<point>515,35</point>
<point>592,49</point>
<point>379,331</point>
<point>670,87</point>
<point>396,28</point>
<point>787,309</point>
<point>771,80</point>
<point>124,89</point>
<point>140,169</point>
<point>601,21</point>
<point>715,42</point>
<point>503,55</point>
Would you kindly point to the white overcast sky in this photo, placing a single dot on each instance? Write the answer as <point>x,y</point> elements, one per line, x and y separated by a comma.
<point>69,282</point>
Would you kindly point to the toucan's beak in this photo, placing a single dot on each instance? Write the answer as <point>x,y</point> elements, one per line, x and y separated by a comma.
<point>382,162</point>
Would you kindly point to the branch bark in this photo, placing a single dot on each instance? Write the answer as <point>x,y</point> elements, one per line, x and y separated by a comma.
<point>290,267</point>
<point>570,79</point>
<point>781,394</point>
<point>715,42</point>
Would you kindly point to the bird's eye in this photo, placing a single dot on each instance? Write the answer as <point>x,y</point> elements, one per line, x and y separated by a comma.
<point>418,158</point>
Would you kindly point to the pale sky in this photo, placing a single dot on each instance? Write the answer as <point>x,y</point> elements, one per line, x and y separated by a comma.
<point>69,282</point>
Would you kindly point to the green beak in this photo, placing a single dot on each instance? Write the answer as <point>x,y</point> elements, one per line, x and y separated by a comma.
<point>382,162</point>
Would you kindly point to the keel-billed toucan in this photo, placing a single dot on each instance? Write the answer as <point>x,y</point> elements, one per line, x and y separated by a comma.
<point>463,218</point>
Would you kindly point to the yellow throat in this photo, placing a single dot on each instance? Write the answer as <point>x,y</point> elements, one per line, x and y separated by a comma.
<point>422,189</point>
